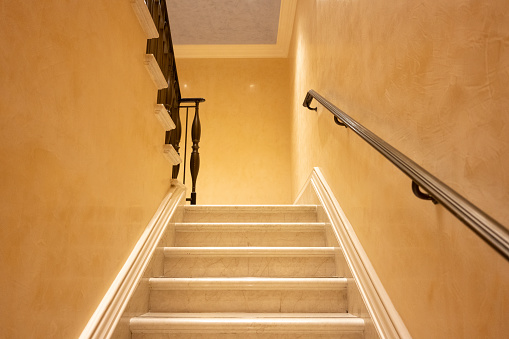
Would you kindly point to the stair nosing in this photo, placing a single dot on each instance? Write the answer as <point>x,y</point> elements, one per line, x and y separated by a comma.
<point>246,324</point>
<point>249,226</point>
<point>247,283</point>
<point>311,315</point>
<point>242,251</point>
<point>251,208</point>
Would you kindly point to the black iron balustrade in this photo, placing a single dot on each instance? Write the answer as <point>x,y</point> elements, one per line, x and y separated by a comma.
<point>492,232</point>
<point>162,49</point>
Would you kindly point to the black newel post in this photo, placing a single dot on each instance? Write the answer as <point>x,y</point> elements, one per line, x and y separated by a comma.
<point>195,156</point>
<point>194,164</point>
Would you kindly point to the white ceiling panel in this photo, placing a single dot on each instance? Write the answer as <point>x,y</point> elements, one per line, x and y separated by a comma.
<point>224,22</point>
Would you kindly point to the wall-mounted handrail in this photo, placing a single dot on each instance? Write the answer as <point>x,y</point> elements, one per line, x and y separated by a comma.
<point>494,233</point>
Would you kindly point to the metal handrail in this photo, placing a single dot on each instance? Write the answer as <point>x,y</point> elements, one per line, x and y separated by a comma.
<point>491,231</point>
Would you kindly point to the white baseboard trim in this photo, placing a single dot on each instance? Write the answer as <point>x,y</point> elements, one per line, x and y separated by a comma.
<point>386,319</point>
<point>108,313</point>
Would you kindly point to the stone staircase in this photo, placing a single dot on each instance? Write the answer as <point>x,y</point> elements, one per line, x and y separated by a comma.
<point>249,272</point>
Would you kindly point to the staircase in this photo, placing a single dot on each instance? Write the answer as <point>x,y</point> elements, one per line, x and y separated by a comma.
<point>249,272</point>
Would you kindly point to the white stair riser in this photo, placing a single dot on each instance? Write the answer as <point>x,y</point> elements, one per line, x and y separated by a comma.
<point>242,335</point>
<point>219,214</point>
<point>249,266</point>
<point>258,301</point>
<point>250,238</point>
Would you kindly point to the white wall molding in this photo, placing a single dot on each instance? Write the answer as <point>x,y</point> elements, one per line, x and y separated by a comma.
<point>386,319</point>
<point>277,50</point>
<point>155,72</point>
<point>145,19</point>
<point>164,117</point>
<point>105,318</point>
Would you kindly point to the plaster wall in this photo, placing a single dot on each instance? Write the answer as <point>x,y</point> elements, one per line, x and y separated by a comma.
<point>431,78</point>
<point>245,142</point>
<point>81,164</point>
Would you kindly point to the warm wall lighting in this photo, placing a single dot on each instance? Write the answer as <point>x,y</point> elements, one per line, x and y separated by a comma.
<point>251,86</point>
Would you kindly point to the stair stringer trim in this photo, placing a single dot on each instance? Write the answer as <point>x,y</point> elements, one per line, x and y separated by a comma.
<point>103,322</point>
<point>384,315</point>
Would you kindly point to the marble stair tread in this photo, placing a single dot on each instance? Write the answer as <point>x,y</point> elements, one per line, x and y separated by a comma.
<point>247,322</point>
<point>265,251</point>
<point>250,227</point>
<point>188,262</point>
<point>229,213</point>
<point>250,234</point>
<point>247,283</point>
<point>245,315</point>
<point>251,208</point>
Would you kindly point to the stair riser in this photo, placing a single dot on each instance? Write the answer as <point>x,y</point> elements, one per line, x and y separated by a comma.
<point>249,217</point>
<point>264,301</point>
<point>182,267</point>
<point>243,335</point>
<point>266,238</point>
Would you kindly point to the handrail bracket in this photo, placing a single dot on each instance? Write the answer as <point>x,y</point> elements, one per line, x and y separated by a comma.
<point>307,102</point>
<point>339,122</point>
<point>420,194</point>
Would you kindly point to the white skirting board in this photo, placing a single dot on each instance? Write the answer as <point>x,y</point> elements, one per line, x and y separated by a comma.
<point>386,319</point>
<point>108,313</point>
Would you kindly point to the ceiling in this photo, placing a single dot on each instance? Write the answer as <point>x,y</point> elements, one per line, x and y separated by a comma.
<point>225,22</point>
<point>231,28</point>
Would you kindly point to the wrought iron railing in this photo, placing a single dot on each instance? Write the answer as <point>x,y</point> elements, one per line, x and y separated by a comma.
<point>162,49</point>
<point>492,232</point>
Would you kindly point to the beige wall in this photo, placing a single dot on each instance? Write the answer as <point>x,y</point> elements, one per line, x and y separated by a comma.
<point>81,171</point>
<point>81,168</point>
<point>245,144</point>
<point>431,78</point>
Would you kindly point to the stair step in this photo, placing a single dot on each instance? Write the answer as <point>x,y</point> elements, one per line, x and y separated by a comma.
<point>250,234</point>
<point>249,261</point>
<point>246,284</point>
<point>257,324</point>
<point>251,213</point>
<point>239,227</point>
<point>249,272</point>
<point>248,295</point>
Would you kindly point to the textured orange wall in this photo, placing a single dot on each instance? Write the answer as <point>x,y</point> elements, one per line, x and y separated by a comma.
<point>431,78</point>
<point>245,144</point>
<point>81,166</point>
